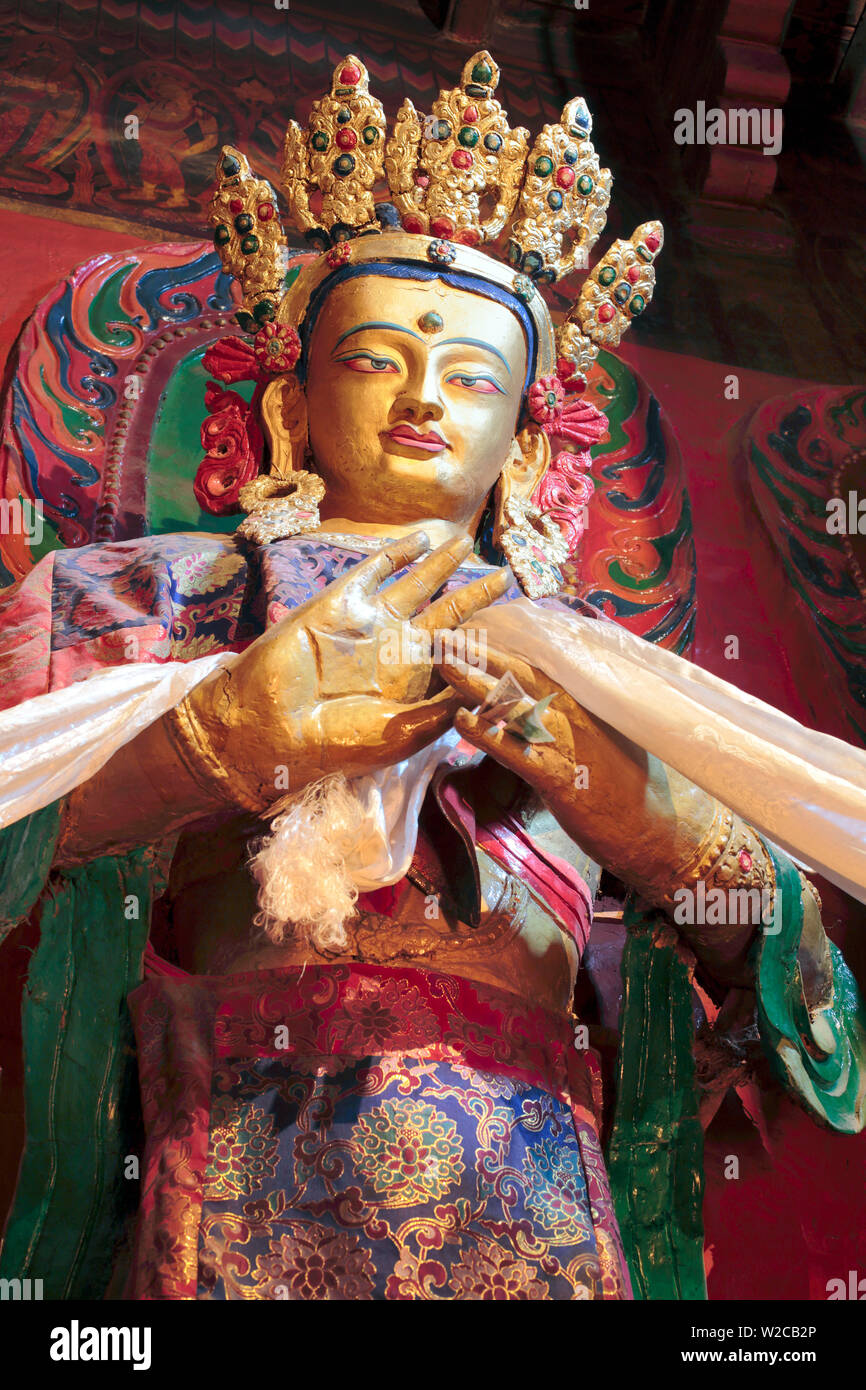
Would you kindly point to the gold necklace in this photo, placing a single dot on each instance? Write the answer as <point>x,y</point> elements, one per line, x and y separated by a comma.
<point>370,544</point>
<point>347,541</point>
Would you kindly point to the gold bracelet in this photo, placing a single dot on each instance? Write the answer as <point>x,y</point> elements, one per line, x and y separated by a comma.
<point>196,752</point>
<point>745,864</point>
<point>699,862</point>
<point>732,856</point>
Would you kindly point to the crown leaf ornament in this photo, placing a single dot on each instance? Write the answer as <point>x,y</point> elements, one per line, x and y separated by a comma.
<point>563,202</point>
<point>340,155</point>
<point>441,172</point>
<point>248,235</point>
<point>457,180</point>
<point>616,291</point>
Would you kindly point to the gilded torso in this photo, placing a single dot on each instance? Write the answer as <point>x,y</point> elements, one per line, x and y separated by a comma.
<point>517,944</point>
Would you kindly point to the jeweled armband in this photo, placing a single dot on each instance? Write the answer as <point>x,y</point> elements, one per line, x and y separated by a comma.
<point>724,894</point>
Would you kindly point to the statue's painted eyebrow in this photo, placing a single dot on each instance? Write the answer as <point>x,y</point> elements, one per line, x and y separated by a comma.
<point>445,342</point>
<point>359,328</point>
<point>476,342</point>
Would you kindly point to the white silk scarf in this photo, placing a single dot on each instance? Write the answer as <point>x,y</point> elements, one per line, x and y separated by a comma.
<point>52,743</point>
<point>803,790</point>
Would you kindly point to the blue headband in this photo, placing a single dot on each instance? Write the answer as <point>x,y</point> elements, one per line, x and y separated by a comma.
<point>411,270</point>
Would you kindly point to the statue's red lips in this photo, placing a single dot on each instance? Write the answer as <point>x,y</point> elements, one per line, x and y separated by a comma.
<point>404,434</point>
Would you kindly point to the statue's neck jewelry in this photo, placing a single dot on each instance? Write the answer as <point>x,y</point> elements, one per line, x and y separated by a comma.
<point>368,544</point>
<point>348,541</point>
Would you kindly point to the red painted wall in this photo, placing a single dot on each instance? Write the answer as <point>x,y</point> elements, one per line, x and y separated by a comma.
<point>39,252</point>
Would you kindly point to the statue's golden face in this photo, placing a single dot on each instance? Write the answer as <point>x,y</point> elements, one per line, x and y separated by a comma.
<point>413,393</point>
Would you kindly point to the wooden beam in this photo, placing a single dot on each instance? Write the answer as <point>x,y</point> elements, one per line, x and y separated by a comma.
<point>470,21</point>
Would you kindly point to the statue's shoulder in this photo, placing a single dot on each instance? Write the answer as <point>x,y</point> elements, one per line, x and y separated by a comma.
<point>187,562</point>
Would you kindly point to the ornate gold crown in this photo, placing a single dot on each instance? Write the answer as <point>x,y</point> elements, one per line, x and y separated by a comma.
<point>461,176</point>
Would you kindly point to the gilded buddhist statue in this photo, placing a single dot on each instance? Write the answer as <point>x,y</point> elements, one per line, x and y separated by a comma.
<point>384,813</point>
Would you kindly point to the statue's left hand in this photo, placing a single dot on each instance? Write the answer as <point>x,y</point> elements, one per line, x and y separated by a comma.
<point>631,812</point>
<point>568,773</point>
<point>624,807</point>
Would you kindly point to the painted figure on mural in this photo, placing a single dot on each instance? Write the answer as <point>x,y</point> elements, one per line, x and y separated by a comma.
<point>167,128</point>
<point>380,812</point>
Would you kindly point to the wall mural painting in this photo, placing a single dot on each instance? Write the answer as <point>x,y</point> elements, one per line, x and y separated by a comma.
<point>136,141</point>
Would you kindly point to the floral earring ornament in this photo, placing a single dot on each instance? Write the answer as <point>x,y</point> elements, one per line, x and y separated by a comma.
<point>548,405</point>
<point>280,507</point>
<point>542,501</point>
<point>281,503</point>
<point>533,545</point>
<point>277,348</point>
<point>233,445</point>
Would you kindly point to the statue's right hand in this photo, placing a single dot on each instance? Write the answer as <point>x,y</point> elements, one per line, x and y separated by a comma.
<point>344,683</point>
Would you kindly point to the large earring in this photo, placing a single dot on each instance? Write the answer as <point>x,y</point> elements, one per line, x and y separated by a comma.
<point>531,542</point>
<point>285,501</point>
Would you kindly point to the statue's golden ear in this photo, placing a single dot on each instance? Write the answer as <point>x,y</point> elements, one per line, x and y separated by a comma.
<point>531,542</point>
<point>284,420</point>
<point>527,462</point>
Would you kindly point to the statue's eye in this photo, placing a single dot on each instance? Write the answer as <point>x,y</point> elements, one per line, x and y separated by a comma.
<point>367,362</point>
<point>483,384</point>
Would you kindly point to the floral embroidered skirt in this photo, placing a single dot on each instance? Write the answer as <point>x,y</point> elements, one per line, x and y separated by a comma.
<point>361,1132</point>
